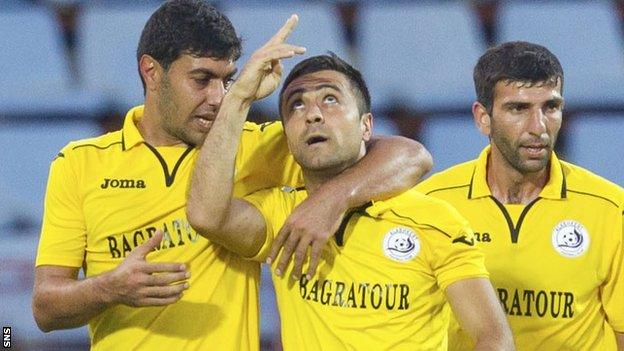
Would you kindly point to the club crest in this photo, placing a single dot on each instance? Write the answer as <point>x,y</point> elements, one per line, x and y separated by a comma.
<point>570,238</point>
<point>401,244</point>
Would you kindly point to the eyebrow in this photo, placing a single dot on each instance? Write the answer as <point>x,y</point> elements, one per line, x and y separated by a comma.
<point>209,72</point>
<point>527,103</point>
<point>318,87</point>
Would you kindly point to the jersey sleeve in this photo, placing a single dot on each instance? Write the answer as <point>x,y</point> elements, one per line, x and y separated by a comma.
<point>275,208</point>
<point>263,159</point>
<point>63,233</point>
<point>453,253</point>
<point>612,293</point>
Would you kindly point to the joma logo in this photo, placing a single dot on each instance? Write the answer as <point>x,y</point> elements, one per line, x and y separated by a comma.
<point>122,183</point>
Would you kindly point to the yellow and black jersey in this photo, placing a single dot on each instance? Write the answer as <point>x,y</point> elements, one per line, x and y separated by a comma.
<point>556,263</point>
<point>380,284</point>
<point>107,195</point>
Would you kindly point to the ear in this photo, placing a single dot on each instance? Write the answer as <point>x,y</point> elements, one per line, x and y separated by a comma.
<point>367,126</point>
<point>151,71</point>
<point>481,118</point>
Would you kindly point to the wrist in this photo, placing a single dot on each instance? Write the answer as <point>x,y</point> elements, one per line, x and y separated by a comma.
<point>101,286</point>
<point>237,98</point>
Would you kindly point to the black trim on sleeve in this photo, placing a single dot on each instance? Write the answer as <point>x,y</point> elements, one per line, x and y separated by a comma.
<point>447,188</point>
<point>97,146</point>
<point>593,195</point>
<point>514,230</point>
<point>60,154</point>
<point>339,235</point>
<point>266,124</point>
<point>169,178</point>
<point>421,224</point>
<point>123,141</point>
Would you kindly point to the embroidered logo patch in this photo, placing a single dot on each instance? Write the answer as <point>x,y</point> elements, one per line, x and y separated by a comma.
<point>401,244</point>
<point>570,238</point>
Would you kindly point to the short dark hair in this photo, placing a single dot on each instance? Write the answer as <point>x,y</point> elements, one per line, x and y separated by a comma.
<point>516,61</point>
<point>188,27</point>
<point>330,62</point>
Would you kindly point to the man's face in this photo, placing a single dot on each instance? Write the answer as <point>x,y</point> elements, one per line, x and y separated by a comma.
<point>322,122</point>
<point>189,96</point>
<point>524,123</point>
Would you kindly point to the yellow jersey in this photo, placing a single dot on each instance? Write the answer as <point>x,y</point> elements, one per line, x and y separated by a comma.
<point>380,284</point>
<point>107,195</point>
<point>556,263</point>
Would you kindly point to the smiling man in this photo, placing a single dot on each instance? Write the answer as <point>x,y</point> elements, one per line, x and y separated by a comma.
<point>551,231</point>
<point>383,283</point>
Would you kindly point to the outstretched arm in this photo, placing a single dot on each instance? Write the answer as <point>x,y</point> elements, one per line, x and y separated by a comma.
<point>211,208</point>
<point>390,166</point>
<point>479,313</point>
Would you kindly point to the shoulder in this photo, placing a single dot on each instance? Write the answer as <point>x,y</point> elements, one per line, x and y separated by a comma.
<point>267,127</point>
<point>102,142</point>
<point>584,183</point>
<point>81,150</point>
<point>455,178</point>
<point>415,209</point>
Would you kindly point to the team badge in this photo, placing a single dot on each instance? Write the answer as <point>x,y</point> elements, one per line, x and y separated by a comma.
<point>401,244</point>
<point>570,238</point>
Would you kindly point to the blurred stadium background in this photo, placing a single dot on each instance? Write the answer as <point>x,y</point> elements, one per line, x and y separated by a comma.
<point>69,72</point>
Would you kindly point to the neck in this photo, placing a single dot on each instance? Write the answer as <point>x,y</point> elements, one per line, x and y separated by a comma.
<point>151,127</point>
<point>510,186</point>
<point>315,178</point>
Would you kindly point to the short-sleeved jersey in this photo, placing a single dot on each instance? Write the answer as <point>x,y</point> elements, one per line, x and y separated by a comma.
<point>380,284</point>
<point>556,263</point>
<point>109,194</point>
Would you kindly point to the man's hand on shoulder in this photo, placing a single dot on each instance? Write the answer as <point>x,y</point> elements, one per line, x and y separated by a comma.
<point>310,225</point>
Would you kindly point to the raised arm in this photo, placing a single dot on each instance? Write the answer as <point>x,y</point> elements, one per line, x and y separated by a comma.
<point>211,208</point>
<point>61,300</point>
<point>479,313</point>
<point>390,166</point>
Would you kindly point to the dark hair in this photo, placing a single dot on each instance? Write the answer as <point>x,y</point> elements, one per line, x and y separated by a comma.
<point>515,61</point>
<point>330,62</point>
<point>188,27</point>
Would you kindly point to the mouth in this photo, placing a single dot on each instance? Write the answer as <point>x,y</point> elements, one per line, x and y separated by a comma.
<point>204,121</point>
<point>536,150</point>
<point>315,139</point>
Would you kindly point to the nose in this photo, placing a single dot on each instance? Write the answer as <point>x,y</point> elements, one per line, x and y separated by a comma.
<point>215,91</point>
<point>537,122</point>
<point>314,114</point>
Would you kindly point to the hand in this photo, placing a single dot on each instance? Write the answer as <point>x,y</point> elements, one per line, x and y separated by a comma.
<point>262,73</point>
<point>311,223</point>
<point>136,282</point>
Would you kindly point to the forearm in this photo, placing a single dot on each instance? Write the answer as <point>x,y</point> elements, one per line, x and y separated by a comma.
<point>212,183</point>
<point>492,343</point>
<point>620,341</point>
<point>392,165</point>
<point>62,303</point>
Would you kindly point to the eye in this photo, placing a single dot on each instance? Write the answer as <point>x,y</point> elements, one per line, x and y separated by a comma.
<point>296,105</point>
<point>553,106</point>
<point>201,81</point>
<point>330,99</point>
<point>227,84</point>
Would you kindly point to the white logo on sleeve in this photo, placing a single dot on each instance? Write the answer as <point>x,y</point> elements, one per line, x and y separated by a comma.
<point>570,238</point>
<point>401,244</point>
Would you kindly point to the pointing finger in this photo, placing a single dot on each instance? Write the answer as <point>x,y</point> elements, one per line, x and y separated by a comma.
<point>285,31</point>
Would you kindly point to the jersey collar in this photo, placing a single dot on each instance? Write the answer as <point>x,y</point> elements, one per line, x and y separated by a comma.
<point>555,188</point>
<point>130,133</point>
